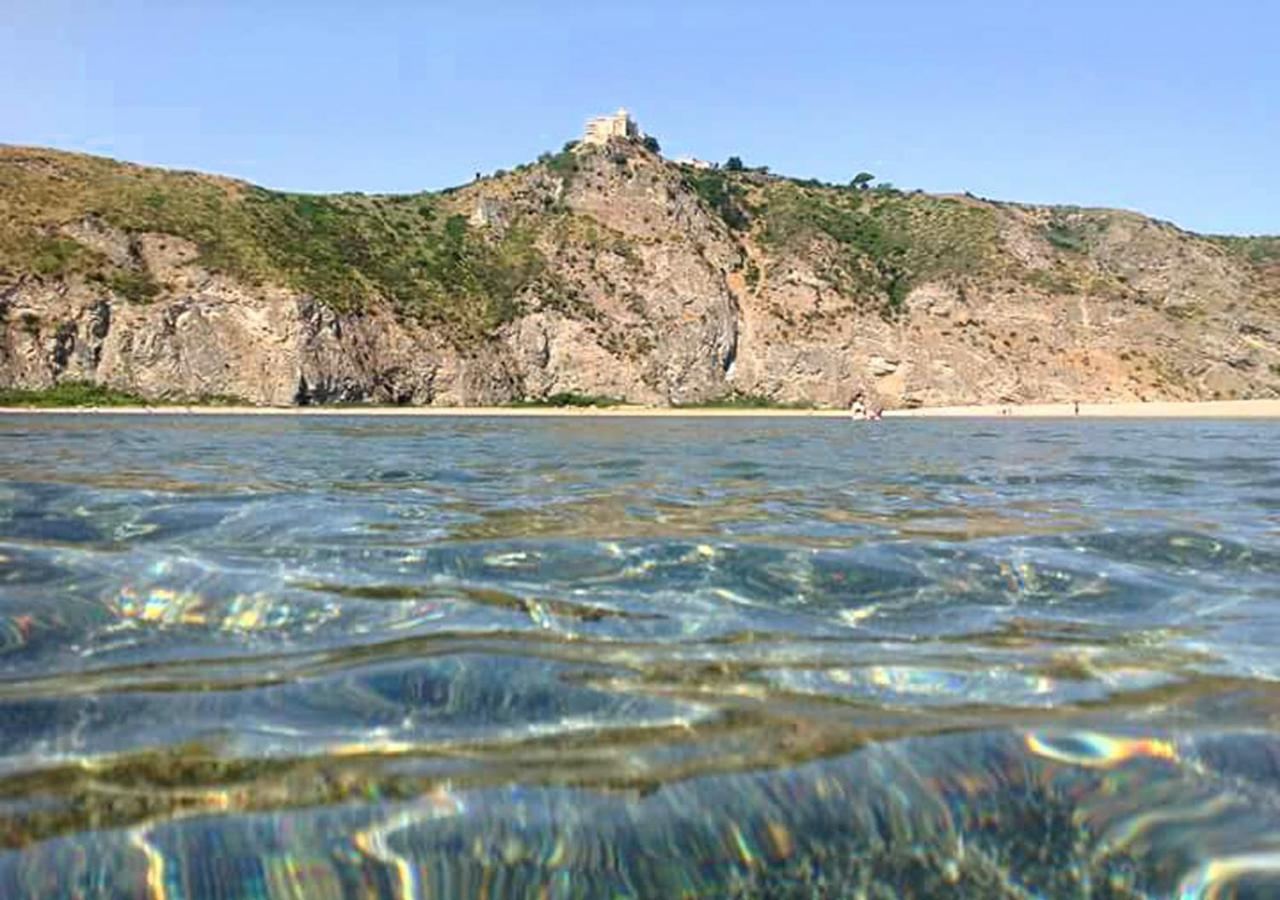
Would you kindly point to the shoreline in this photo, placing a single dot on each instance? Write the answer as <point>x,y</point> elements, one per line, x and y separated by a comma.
<point>1225,409</point>
<point>1157,409</point>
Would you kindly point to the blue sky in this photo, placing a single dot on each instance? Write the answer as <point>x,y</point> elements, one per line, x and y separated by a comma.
<point>1171,108</point>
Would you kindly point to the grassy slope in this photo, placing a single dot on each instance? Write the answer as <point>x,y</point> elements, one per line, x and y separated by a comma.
<point>343,249</point>
<point>1261,250</point>
<point>874,245</point>
<point>81,393</point>
<point>415,252</point>
<point>887,242</point>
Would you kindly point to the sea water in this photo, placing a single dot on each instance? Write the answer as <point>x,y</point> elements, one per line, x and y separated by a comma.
<point>330,657</point>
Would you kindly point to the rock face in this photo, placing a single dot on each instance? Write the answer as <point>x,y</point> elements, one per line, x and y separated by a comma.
<point>651,293</point>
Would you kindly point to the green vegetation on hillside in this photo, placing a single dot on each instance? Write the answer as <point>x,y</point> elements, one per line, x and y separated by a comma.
<point>885,242</point>
<point>564,163</point>
<point>571,399</point>
<point>84,393</point>
<point>1259,250</point>
<point>69,393</point>
<point>721,194</point>
<point>1072,229</point>
<point>737,400</point>
<point>419,254</point>
<point>343,249</point>
<point>130,284</point>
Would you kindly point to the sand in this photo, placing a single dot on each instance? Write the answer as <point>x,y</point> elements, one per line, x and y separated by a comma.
<point>1225,409</point>
<point>1160,409</point>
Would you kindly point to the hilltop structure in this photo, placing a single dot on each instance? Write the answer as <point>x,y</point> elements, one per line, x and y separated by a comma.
<point>602,129</point>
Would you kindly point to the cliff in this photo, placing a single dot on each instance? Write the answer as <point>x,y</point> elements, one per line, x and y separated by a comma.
<point>611,272</point>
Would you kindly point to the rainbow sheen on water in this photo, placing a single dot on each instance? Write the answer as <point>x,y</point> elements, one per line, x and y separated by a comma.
<point>273,657</point>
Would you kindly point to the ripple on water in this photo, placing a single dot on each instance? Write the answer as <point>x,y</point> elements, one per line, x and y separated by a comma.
<point>328,657</point>
<point>1180,551</point>
<point>998,814</point>
<point>917,686</point>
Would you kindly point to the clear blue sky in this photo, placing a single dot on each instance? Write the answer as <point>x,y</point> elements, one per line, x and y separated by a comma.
<point>1165,106</point>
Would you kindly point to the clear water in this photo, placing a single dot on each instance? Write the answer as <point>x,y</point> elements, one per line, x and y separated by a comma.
<point>355,657</point>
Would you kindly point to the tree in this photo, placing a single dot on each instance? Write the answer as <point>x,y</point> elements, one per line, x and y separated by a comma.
<point>651,144</point>
<point>861,180</point>
<point>734,164</point>
<point>569,145</point>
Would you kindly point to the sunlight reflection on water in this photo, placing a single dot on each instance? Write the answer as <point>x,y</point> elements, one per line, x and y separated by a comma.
<point>338,657</point>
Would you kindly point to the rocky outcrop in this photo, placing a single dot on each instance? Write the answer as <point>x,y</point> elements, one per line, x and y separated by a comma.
<point>651,297</point>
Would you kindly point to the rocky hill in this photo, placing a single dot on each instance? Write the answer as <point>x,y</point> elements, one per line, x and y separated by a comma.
<point>610,272</point>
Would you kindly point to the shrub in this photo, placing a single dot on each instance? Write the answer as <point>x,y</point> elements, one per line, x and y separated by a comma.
<point>734,164</point>
<point>56,256</point>
<point>1051,282</point>
<point>1067,234</point>
<point>651,144</point>
<point>721,195</point>
<point>69,393</point>
<point>86,393</point>
<point>135,286</point>
<point>564,164</point>
<point>885,244</point>
<point>736,400</point>
<point>570,398</point>
<point>1259,249</point>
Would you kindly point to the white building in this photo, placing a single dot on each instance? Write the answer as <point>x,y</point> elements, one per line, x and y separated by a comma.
<point>602,129</point>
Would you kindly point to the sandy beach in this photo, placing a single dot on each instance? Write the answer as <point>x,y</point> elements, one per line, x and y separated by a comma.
<point>1222,409</point>
<point>1160,409</point>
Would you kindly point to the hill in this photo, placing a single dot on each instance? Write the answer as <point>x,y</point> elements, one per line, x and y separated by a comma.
<point>611,272</point>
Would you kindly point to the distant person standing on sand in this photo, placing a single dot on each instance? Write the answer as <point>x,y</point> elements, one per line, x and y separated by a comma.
<point>1077,407</point>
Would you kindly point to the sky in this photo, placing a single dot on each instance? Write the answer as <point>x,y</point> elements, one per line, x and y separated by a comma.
<point>1168,107</point>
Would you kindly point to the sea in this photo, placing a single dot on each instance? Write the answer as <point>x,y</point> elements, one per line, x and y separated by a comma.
<point>352,656</point>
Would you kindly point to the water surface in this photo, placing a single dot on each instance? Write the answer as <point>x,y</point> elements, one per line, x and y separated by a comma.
<point>353,657</point>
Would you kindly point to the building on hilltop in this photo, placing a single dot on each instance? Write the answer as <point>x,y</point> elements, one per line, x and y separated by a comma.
<point>602,129</point>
